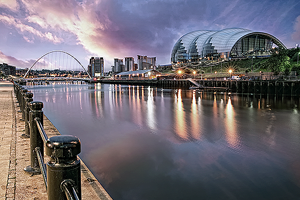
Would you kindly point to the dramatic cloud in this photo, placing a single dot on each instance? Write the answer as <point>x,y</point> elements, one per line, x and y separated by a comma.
<point>25,29</point>
<point>296,34</point>
<point>13,61</point>
<point>117,28</point>
<point>11,4</point>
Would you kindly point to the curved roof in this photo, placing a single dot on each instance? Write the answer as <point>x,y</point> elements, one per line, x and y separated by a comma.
<point>221,41</point>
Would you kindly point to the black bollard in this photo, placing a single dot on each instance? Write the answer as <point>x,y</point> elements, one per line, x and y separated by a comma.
<point>19,88</point>
<point>22,82</point>
<point>22,101</point>
<point>63,169</point>
<point>35,137</point>
<point>28,99</point>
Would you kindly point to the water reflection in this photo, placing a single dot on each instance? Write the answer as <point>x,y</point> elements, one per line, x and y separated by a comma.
<point>195,119</point>
<point>146,142</point>
<point>151,120</point>
<point>180,126</point>
<point>230,125</point>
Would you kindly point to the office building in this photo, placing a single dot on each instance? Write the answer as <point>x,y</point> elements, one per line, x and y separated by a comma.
<point>145,62</point>
<point>96,67</point>
<point>129,64</point>
<point>118,65</point>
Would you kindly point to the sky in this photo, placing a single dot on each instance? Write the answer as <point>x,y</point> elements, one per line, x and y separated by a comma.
<point>127,28</point>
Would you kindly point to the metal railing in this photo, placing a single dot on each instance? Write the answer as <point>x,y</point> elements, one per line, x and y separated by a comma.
<point>61,174</point>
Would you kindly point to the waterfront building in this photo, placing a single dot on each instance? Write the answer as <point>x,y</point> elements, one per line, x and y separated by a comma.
<point>138,75</point>
<point>129,64</point>
<point>96,66</point>
<point>118,65</point>
<point>145,62</point>
<point>225,44</point>
<point>8,69</point>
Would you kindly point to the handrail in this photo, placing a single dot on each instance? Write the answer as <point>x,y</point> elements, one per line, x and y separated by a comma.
<point>61,180</point>
<point>41,130</point>
<point>42,165</point>
<point>64,187</point>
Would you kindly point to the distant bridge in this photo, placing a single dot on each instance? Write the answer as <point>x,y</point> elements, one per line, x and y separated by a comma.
<point>55,61</point>
<point>41,79</point>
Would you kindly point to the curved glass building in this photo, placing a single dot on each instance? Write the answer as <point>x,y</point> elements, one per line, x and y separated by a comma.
<point>224,44</point>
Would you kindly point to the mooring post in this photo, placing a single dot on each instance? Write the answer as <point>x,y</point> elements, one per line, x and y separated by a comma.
<point>19,93</point>
<point>63,169</point>
<point>22,101</point>
<point>35,137</point>
<point>28,99</point>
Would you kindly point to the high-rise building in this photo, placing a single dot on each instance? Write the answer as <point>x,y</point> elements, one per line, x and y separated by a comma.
<point>118,65</point>
<point>145,62</point>
<point>96,67</point>
<point>129,64</point>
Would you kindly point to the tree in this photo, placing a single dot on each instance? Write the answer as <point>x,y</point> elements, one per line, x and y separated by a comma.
<point>296,68</point>
<point>279,61</point>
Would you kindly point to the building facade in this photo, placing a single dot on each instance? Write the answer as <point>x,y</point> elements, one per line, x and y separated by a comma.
<point>138,75</point>
<point>224,44</point>
<point>118,65</point>
<point>96,67</point>
<point>8,69</point>
<point>145,62</point>
<point>129,64</point>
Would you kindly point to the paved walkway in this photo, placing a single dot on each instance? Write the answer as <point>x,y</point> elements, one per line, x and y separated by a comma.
<point>14,157</point>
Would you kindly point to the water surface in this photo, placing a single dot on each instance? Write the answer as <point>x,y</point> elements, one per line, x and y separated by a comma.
<point>151,143</point>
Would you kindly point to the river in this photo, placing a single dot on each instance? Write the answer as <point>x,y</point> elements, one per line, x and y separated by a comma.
<point>147,143</point>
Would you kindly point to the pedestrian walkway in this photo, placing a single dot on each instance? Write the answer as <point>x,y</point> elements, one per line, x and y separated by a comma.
<point>14,157</point>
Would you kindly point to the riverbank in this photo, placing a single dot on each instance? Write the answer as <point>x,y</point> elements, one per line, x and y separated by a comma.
<point>14,157</point>
<point>272,87</point>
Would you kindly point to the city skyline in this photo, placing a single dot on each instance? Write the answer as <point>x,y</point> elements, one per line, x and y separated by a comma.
<point>118,29</point>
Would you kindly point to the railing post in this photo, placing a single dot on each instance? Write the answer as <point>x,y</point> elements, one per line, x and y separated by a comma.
<point>63,169</point>
<point>28,99</point>
<point>19,93</point>
<point>22,101</point>
<point>35,137</point>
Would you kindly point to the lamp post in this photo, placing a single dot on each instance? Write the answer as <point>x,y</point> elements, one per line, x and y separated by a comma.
<point>297,47</point>
<point>260,75</point>
<point>194,72</point>
<point>179,73</point>
<point>230,71</point>
<point>215,74</point>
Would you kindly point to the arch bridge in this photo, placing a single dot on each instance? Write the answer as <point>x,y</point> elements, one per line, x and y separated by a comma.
<point>57,65</point>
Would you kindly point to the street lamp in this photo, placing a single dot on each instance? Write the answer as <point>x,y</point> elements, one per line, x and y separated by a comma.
<point>260,75</point>
<point>179,73</point>
<point>297,47</point>
<point>194,72</point>
<point>215,74</point>
<point>230,71</point>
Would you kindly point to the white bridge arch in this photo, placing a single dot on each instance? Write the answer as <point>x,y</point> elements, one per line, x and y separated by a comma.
<point>53,52</point>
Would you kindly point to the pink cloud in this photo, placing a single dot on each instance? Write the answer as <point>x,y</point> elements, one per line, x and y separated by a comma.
<point>296,34</point>
<point>26,29</point>
<point>68,16</point>
<point>15,62</point>
<point>11,4</point>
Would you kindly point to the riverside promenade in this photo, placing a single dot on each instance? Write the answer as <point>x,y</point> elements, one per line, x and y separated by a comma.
<point>14,157</point>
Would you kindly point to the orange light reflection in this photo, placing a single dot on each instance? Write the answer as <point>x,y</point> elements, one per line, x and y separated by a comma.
<point>180,125</point>
<point>230,125</point>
